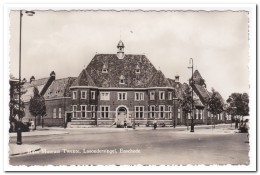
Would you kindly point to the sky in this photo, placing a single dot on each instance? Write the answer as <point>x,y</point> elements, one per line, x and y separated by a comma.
<point>66,41</point>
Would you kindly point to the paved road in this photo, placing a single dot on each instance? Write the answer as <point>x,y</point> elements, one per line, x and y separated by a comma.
<point>146,147</point>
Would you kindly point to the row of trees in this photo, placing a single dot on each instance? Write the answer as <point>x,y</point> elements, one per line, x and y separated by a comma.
<point>236,105</point>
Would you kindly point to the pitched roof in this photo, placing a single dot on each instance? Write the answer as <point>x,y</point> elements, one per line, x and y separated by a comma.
<point>28,87</point>
<point>59,88</point>
<point>159,80</point>
<point>177,86</point>
<point>124,67</point>
<point>83,79</point>
<point>202,92</point>
<point>196,74</point>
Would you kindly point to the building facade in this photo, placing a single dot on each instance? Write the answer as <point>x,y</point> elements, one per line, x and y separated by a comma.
<point>114,88</point>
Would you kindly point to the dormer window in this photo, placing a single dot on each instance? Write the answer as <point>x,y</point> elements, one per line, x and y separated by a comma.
<point>104,69</point>
<point>122,79</point>
<point>137,69</point>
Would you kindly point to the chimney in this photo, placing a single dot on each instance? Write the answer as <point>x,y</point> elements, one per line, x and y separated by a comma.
<point>177,77</point>
<point>52,74</point>
<point>32,79</point>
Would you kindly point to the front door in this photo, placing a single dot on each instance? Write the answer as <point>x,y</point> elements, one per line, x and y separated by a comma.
<point>121,116</point>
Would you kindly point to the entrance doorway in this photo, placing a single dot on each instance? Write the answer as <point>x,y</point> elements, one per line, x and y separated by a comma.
<point>121,115</point>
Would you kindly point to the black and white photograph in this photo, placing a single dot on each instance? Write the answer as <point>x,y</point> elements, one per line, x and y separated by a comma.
<point>100,87</point>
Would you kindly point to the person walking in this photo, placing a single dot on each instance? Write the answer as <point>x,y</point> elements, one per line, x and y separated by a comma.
<point>236,124</point>
<point>125,124</point>
<point>154,124</point>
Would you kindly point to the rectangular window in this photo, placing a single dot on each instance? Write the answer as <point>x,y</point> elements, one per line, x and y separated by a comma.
<point>169,95</point>
<point>83,111</point>
<point>83,94</point>
<point>197,114</point>
<point>74,111</point>
<point>179,113</point>
<point>104,111</point>
<point>54,113</point>
<point>121,96</point>
<point>105,96</point>
<point>59,112</point>
<point>200,114</point>
<point>139,111</point>
<point>93,111</point>
<point>74,95</point>
<point>139,96</point>
<point>152,112</point>
<point>152,95</point>
<point>93,95</point>
<point>161,95</point>
<point>161,111</point>
<point>170,112</point>
<point>188,115</point>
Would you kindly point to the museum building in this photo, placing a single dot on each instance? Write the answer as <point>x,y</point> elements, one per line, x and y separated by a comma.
<point>114,88</point>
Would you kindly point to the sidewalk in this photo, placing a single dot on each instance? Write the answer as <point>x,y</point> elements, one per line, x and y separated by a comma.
<point>39,133</point>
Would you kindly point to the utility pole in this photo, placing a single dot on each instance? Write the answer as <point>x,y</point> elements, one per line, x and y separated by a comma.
<point>192,124</point>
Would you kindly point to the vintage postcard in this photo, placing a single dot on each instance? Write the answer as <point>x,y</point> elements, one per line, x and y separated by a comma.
<point>130,88</point>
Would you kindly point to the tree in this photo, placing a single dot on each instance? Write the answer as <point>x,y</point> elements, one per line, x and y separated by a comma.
<point>215,104</point>
<point>238,104</point>
<point>186,101</point>
<point>37,105</point>
<point>14,102</point>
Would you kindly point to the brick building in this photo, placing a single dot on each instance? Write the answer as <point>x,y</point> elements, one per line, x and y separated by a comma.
<point>114,88</point>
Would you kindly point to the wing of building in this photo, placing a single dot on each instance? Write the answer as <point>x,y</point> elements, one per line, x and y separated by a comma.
<point>115,88</point>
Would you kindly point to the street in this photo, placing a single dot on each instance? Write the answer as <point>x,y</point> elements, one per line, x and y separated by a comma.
<point>108,146</point>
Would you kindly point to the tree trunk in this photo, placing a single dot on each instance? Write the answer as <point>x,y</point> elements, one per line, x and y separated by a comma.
<point>214,120</point>
<point>35,123</point>
<point>42,121</point>
<point>187,121</point>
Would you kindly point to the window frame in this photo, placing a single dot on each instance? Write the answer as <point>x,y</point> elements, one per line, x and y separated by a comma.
<point>169,95</point>
<point>105,114</point>
<point>60,112</point>
<point>81,94</point>
<point>74,111</point>
<point>139,112</point>
<point>104,99</point>
<point>83,111</point>
<point>140,94</point>
<point>74,95</point>
<point>152,112</point>
<point>170,112</point>
<point>54,113</point>
<point>91,95</point>
<point>161,112</point>
<point>161,92</point>
<point>151,95</point>
<point>93,111</point>
<point>118,96</point>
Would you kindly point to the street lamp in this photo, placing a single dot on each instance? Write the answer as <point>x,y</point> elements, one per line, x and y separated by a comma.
<point>192,124</point>
<point>19,132</point>
<point>174,112</point>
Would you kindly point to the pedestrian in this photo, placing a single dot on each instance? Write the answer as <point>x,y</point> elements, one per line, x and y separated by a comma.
<point>236,124</point>
<point>125,124</point>
<point>154,124</point>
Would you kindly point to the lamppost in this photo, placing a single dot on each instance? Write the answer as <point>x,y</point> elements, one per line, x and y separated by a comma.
<point>174,113</point>
<point>19,132</point>
<point>192,124</point>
